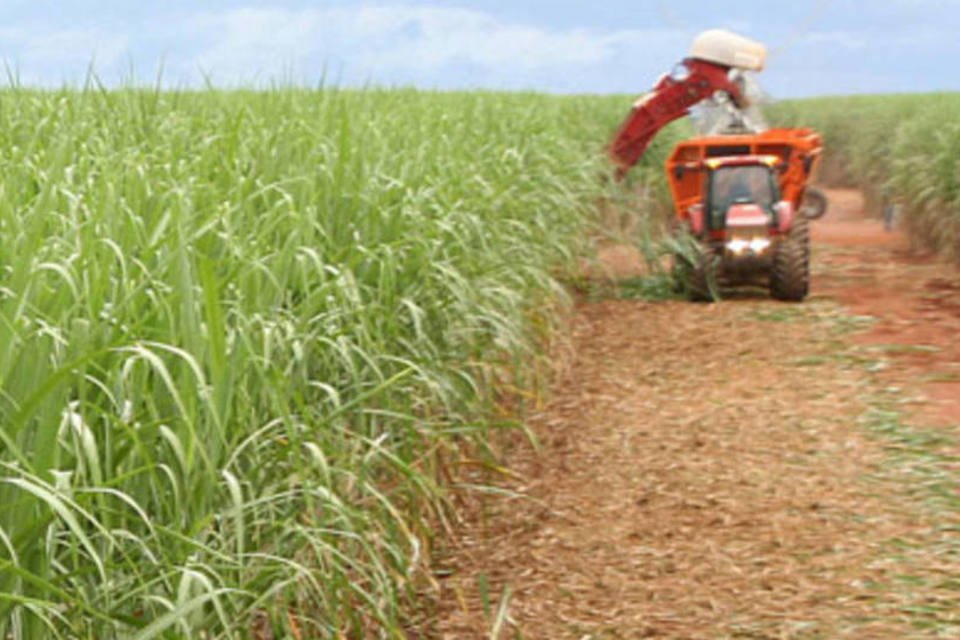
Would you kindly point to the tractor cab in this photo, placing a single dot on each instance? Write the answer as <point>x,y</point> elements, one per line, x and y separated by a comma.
<point>742,204</point>
<point>740,190</point>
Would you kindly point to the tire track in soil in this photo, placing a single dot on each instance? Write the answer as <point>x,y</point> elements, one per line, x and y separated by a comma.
<point>702,472</point>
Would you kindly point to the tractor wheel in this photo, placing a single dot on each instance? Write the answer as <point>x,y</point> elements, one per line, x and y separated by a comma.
<point>701,279</point>
<point>790,272</point>
<point>814,204</point>
<point>679,273</point>
<point>680,268</point>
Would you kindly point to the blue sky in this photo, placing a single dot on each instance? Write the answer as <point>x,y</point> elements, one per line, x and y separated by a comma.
<point>818,46</point>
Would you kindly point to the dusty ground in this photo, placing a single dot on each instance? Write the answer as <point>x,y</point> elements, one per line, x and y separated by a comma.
<point>914,299</point>
<point>705,471</point>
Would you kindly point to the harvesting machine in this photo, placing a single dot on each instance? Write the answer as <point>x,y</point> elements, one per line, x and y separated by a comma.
<point>741,190</point>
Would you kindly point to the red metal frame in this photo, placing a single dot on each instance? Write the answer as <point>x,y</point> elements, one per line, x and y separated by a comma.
<point>671,99</point>
<point>796,151</point>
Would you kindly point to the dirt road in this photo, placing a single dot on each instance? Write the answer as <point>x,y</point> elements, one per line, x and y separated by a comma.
<point>749,469</point>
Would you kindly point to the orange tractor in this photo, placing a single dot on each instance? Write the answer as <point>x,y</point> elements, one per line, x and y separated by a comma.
<point>741,191</point>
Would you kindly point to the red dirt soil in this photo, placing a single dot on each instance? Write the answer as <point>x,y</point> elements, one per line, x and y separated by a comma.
<point>702,472</point>
<point>914,298</point>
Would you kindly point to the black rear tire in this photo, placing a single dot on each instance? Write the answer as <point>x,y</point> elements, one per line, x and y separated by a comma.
<point>702,278</point>
<point>814,204</point>
<point>678,273</point>
<point>790,272</point>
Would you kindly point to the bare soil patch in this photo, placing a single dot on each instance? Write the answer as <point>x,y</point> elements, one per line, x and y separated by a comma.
<point>702,470</point>
<point>913,297</point>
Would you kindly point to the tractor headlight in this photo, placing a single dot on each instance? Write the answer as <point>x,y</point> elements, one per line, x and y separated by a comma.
<point>738,245</point>
<point>748,244</point>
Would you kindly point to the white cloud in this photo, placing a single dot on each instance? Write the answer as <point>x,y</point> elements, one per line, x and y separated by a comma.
<point>50,55</point>
<point>448,47</point>
<point>842,39</point>
<point>388,42</point>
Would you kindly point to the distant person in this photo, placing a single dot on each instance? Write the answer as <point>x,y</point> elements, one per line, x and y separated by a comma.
<point>891,209</point>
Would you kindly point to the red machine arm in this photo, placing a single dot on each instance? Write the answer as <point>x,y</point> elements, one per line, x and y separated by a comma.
<point>670,99</point>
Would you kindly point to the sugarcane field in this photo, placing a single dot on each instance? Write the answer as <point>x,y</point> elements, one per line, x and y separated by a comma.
<point>479,320</point>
